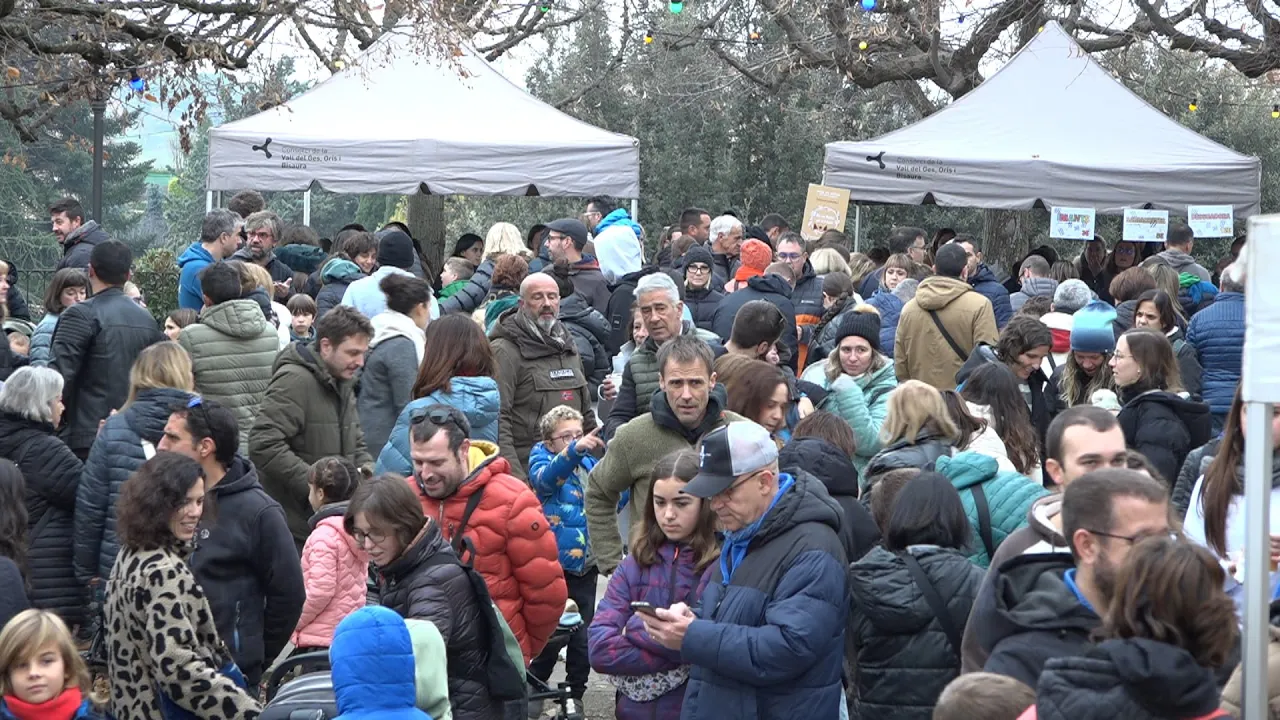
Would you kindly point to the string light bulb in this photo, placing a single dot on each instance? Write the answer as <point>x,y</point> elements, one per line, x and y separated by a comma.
<point>868,5</point>
<point>753,36</point>
<point>862,44</point>
<point>1275,112</point>
<point>648,37</point>
<point>1194,105</point>
<point>544,7</point>
<point>960,19</point>
<point>676,6</point>
<point>136,83</point>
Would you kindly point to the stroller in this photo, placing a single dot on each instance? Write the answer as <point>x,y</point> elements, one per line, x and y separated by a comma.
<point>300,688</point>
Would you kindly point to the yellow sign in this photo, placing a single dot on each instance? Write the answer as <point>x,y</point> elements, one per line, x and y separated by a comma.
<point>825,209</point>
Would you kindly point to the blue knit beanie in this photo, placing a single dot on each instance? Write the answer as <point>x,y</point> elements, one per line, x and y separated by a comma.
<point>1091,329</point>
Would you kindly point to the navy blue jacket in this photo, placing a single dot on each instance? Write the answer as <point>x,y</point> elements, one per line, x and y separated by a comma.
<point>1217,333</point>
<point>770,642</point>
<point>115,455</point>
<point>890,307</point>
<point>762,287</point>
<point>984,281</point>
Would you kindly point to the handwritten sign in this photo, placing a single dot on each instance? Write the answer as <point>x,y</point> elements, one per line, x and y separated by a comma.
<point>825,209</point>
<point>1072,223</point>
<point>1145,225</point>
<point>1211,221</point>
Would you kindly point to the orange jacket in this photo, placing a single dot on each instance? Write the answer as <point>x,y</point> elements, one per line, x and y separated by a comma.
<point>514,546</point>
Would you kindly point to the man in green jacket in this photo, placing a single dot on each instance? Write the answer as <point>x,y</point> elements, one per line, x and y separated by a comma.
<point>309,412</point>
<point>689,406</point>
<point>233,347</point>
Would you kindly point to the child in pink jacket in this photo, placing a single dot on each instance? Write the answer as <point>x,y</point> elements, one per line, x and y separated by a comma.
<point>334,567</point>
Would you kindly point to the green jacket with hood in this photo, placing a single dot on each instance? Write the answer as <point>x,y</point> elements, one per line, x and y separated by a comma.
<point>232,349</point>
<point>305,415</point>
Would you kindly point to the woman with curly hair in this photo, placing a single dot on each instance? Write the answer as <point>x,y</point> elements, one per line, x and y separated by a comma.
<point>165,655</point>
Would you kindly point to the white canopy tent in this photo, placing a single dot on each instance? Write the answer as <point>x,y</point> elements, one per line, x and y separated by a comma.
<point>1050,128</point>
<point>398,122</point>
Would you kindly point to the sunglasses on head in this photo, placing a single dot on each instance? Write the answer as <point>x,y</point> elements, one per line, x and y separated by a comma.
<point>439,416</point>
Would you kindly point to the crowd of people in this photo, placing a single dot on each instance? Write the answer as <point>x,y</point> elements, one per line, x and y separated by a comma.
<point>816,482</point>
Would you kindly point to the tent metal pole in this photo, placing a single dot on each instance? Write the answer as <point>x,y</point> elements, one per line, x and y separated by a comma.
<point>635,208</point>
<point>306,207</point>
<point>1257,558</point>
<point>208,201</point>
<point>857,226</point>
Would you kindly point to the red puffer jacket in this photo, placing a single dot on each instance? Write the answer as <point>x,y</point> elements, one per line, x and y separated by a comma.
<point>515,549</point>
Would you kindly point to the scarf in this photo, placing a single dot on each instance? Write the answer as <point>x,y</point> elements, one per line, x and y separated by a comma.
<point>63,707</point>
<point>736,542</point>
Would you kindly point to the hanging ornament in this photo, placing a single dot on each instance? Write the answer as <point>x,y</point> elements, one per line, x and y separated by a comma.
<point>1194,105</point>
<point>1040,29</point>
<point>544,7</point>
<point>868,5</point>
<point>136,83</point>
<point>960,19</point>
<point>753,36</point>
<point>676,6</point>
<point>1275,111</point>
<point>862,44</point>
<point>648,37</point>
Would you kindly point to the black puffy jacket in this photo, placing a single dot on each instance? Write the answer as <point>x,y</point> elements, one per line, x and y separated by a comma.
<point>921,454</point>
<point>473,294</point>
<point>115,455</point>
<point>904,656</point>
<point>1133,679</point>
<point>821,459</point>
<point>247,563</point>
<point>1164,428</point>
<point>762,287</point>
<point>94,347</point>
<point>590,332</point>
<point>702,304</point>
<point>52,473</point>
<point>443,595</point>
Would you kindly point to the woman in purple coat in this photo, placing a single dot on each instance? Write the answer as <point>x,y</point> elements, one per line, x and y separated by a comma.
<point>670,561</point>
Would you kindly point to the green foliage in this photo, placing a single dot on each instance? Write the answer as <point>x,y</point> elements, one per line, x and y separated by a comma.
<point>156,274</point>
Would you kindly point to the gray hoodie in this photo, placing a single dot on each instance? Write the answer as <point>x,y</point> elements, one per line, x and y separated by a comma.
<point>1184,263</point>
<point>1032,287</point>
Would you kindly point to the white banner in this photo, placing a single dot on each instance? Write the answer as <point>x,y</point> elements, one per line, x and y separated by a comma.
<point>1211,221</point>
<point>1072,223</point>
<point>1145,225</point>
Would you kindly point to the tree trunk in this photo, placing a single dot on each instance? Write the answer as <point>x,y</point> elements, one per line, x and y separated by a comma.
<point>425,218</point>
<point>1007,238</point>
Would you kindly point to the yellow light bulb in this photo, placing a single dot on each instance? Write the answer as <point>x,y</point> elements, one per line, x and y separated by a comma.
<point>862,45</point>
<point>1193,105</point>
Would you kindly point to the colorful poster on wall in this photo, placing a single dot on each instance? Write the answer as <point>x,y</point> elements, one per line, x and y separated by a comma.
<point>1072,223</point>
<point>1145,225</point>
<point>825,209</point>
<point>1211,221</point>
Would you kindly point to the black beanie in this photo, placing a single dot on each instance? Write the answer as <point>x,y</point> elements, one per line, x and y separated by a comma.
<point>865,325</point>
<point>396,250</point>
<point>698,254</point>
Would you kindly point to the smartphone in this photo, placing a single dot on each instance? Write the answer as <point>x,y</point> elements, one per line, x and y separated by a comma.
<point>643,607</point>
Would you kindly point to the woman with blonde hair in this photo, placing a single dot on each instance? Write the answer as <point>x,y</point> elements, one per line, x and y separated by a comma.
<point>917,430</point>
<point>41,672</point>
<point>256,284</point>
<point>827,260</point>
<point>858,379</point>
<point>503,240</point>
<point>160,380</point>
<point>859,267</point>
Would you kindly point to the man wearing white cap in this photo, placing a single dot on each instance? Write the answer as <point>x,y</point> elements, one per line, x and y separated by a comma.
<point>768,638</point>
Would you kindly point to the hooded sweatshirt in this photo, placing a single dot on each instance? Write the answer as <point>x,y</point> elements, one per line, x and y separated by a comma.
<point>617,243</point>
<point>390,369</point>
<point>1184,263</point>
<point>192,260</point>
<point>373,667</point>
<point>920,350</point>
<point>1032,287</point>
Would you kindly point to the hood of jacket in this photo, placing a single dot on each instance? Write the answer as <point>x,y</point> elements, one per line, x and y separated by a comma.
<point>1040,519</point>
<point>807,501</point>
<point>241,476</point>
<point>392,324</point>
<point>477,397</point>
<point>664,416</point>
<point>937,292</point>
<point>617,217</point>
<point>967,469</point>
<point>884,590</point>
<point>194,252</point>
<point>1031,595</point>
<point>150,411</point>
<point>983,275</point>
<point>1193,414</point>
<point>89,233</point>
<point>305,356</point>
<point>1176,259</point>
<point>574,309</point>
<point>588,262</point>
<point>485,462</point>
<point>240,319</point>
<point>372,662</point>
<point>332,515</point>
<point>532,342</point>
<point>1037,286</point>
<point>301,258</point>
<point>1164,679</point>
<point>824,461</point>
<point>340,270</point>
<point>770,284</point>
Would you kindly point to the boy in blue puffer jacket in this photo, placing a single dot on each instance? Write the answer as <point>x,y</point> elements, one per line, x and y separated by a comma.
<point>558,468</point>
<point>374,672</point>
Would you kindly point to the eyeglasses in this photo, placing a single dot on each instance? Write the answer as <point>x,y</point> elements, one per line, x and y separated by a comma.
<point>261,234</point>
<point>1134,539</point>
<point>1124,251</point>
<point>698,269</point>
<point>728,492</point>
<point>789,256</point>
<point>374,536</point>
<point>567,437</point>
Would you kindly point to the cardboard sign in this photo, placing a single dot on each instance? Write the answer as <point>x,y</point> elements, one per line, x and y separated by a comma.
<point>1211,221</point>
<point>1145,225</point>
<point>825,209</point>
<point>1072,223</point>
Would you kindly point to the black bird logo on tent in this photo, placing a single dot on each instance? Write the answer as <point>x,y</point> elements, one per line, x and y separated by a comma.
<point>267,144</point>
<point>870,158</point>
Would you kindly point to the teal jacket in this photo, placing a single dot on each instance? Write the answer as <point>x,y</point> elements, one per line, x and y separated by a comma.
<point>1009,497</point>
<point>862,403</point>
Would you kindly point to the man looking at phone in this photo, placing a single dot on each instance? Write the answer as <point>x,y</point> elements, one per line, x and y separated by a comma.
<point>768,640</point>
<point>263,230</point>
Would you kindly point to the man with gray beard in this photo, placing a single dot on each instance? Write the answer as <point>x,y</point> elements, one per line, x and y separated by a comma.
<point>538,369</point>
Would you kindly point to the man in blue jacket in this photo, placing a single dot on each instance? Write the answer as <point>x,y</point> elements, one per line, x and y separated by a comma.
<point>768,639</point>
<point>220,235</point>
<point>984,281</point>
<point>1217,334</point>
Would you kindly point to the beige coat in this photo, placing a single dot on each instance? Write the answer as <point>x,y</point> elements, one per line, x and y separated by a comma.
<point>1231,693</point>
<point>920,351</point>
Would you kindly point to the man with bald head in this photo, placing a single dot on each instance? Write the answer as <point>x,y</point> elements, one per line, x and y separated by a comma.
<point>538,369</point>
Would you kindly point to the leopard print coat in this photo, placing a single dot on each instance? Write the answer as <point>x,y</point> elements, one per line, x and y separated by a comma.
<point>161,637</point>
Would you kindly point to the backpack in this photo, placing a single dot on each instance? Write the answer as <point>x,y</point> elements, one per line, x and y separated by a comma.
<point>504,674</point>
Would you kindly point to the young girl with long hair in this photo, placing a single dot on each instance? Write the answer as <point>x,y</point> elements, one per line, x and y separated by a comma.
<point>334,567</point>
<point>672,554</point>
<point>993,395</point>
<point>42,676</point>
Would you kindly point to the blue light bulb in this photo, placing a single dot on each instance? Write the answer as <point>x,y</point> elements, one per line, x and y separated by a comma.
<point>676,6</point>
<point>137,83</point>
<point>868,5</point>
